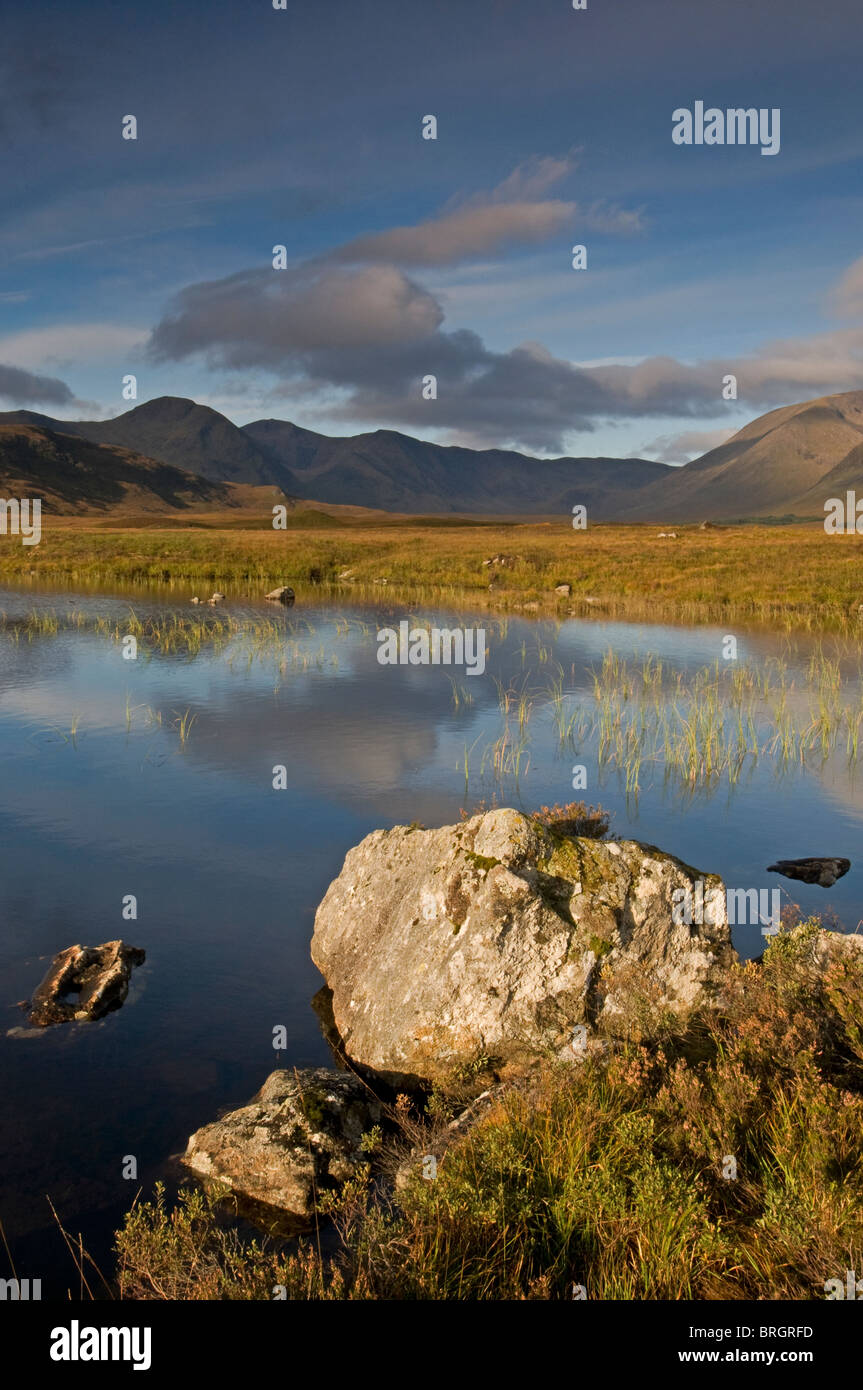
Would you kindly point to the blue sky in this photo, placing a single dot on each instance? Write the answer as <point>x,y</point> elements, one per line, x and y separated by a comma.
<point>406,256</point>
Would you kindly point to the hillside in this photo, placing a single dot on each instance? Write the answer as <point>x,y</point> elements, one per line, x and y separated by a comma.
<point>383,470</point>
<point>394,471</point>
<point>178,432</point>
<point>779,464</point>
<point>785,463</point>
<point>75,476</point>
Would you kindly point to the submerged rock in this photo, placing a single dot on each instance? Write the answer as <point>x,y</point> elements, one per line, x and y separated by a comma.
<point>824,872</point>
<point>281,595</point>
<point>301,1134</point>
<point>84,982</point>
<point>498,937</point>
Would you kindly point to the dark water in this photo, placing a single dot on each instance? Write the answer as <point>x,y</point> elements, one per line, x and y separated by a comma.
<point>228,872</point>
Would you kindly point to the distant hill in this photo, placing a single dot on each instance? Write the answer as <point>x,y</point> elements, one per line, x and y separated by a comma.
<point>783,464</point>
<point>74,475</point>
<point>779,464</point>
<point>176,431</point>
<point>845,476</point>
<point>383,470</point>
<point>396,472</point>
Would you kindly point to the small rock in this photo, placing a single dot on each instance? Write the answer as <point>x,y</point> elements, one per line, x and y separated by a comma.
<point>824,872</point>
<point>281,595</point>
<point>84,982</point>
<point>708,526</point>
<point>301,1134</point>
<point>563,589</point>
<point>196,599</point>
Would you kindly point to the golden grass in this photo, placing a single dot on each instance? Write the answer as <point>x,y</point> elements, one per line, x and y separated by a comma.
<point>790,577</point>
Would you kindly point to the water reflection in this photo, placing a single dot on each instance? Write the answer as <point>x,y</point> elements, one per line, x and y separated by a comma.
<point>105,796</point>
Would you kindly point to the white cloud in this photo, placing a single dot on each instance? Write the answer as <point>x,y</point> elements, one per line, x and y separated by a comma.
<point>69,345</point>
<point>680,448</point>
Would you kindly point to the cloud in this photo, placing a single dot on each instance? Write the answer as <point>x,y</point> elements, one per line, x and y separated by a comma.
<point>533,178</point>
<point>272,318</point>
<point>680,448</point>
<point>371,334</point>
<point>514,212</point>
<point>470,231</point>
<point>846,298</point>
<point>25,388</point>
<point>66,345</point>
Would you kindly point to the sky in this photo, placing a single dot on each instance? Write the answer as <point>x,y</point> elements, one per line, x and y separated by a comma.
<point>408,258</point>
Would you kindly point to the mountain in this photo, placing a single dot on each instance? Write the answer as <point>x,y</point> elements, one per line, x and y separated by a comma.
<point>384,470</point>
<point>845,476</point>
<point>179,432</point>
<point>787,462</point>
<point>780,464</point>
<point>74,475</point>
<point>395,472</point>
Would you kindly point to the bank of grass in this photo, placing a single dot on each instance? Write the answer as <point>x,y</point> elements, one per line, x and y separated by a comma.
<point>614,1177</point>
<point>787,576</point>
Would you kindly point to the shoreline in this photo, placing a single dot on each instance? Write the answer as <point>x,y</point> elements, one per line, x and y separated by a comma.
<point>788,579</point>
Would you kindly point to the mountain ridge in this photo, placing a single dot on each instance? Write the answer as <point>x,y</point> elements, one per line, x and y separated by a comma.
<point>382,469</point>
<point>786,462</point>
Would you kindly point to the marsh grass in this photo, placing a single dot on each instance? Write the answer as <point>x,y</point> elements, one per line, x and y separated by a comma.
<point>645,716</point>
<point>790,578</point>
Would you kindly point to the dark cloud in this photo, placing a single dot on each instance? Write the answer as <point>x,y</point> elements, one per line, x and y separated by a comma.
<point>373,334</point>
<point>25,388</point>
<point>284,317</point>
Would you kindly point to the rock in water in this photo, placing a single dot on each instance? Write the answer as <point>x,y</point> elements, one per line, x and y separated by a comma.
<point>281,595</point>
<point>822,871</point>
<point>84,982</point>
<point>300,1134</point>
<point>498,936</point>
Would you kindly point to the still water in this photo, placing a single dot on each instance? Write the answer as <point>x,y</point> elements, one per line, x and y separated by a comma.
<point>154,777</point>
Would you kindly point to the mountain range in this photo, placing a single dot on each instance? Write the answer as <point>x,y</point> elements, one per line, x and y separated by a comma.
<point>173,453</point>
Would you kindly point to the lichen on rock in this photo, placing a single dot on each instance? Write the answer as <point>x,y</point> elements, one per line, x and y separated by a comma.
<point>501,935</point>
<point>301,1135</point>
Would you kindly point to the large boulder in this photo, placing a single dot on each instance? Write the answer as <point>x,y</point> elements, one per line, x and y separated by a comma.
<point>498,937</point>
<point>84,982</point>
<point>299,1136</point>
